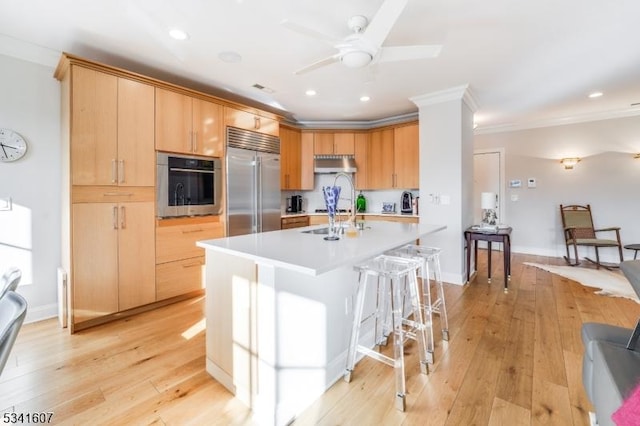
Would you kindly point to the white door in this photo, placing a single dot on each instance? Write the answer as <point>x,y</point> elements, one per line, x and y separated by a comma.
<point>488,176</point>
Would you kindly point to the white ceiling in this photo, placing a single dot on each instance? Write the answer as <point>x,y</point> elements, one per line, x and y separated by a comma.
<point>526,62</point>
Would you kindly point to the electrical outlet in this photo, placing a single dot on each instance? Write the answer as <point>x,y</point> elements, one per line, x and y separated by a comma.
<point>531,183</point>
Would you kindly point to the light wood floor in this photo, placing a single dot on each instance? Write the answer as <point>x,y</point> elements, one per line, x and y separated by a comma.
<point>512,359</point>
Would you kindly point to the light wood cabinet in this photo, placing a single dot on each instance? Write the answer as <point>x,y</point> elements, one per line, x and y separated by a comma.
<point>380,166</point>
<point>325,143</point>
<point>361,150</point>
<point>179,262</point>
<point>294,222</point>
<point>393,158</point>
<point>406,157</point>
<point>113,130</point>
<point>188,125</point>
<point>248,121</point>
<point>296,158</point>
<point>113,265</point>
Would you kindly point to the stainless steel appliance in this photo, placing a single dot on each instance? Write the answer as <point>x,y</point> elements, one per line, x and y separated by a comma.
<point>406,203</point>
<point>188,185</point>
<point>253,182</point>
<point>294,204</point>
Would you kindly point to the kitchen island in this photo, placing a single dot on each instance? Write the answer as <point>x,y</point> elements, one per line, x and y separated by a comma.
<point>279,311</point>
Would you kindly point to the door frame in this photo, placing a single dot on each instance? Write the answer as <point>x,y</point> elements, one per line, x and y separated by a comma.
<point>501,179</point>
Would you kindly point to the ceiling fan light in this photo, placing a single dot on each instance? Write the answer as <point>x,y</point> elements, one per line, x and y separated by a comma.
<point>356,59</point>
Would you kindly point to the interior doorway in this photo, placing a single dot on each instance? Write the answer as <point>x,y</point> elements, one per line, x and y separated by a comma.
<point>488,176</point>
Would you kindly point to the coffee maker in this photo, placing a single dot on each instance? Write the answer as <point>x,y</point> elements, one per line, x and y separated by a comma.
<point>294,204</point>
<point>406,203</point>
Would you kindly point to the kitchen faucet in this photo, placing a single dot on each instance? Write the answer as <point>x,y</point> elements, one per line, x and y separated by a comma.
<point>178,194</point>
<point>353,195</point>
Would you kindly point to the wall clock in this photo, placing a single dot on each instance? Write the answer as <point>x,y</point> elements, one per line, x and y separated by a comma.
<point>12,145</point>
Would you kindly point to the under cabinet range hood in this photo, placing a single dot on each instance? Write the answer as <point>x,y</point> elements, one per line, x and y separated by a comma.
<point>334,164</point>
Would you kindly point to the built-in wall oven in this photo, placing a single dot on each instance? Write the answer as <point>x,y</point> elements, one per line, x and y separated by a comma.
<point>188,185</point>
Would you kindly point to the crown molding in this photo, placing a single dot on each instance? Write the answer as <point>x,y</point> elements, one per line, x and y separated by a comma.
<point>29,52</point>
<point>355,124</point>
<point>462,92</point>
<point>560,121</point>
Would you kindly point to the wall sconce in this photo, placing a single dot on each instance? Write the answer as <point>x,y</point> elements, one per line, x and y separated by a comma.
<point>568,163</point>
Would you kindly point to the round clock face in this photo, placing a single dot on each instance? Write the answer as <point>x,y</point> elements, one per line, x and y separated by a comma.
<point>12,145</point>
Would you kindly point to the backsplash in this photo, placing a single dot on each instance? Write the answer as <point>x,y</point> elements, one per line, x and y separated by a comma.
<point>313,199</point>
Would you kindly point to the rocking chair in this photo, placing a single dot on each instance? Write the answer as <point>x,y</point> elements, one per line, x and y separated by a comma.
<point>578,231</point>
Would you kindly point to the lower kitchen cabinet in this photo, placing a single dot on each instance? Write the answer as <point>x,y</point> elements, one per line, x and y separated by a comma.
<point>179,262</point>
<point>294,222</point>
<point>113,258</point>
<point>179,277</point>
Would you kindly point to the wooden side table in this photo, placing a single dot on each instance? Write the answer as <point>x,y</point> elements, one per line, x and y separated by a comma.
<point>635,247</point>
<point>501,236</point>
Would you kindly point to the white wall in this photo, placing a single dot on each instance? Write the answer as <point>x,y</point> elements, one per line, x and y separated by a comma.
<point>608,178</point>
<point>30,232</point>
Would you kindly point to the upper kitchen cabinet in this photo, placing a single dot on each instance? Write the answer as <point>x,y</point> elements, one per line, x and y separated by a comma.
<point>361,153</point>
<point>248,121</point>
<point>393,158</point>
<point>380,165</point>
<point>112,133</point>
<point>333,143</point>
<point>188,125</point>
<point>296,158</point>
<point>406,158</point>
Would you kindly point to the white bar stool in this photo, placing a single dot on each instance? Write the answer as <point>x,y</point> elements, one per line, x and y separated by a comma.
<point>430,261</point>
<point>392,277</point>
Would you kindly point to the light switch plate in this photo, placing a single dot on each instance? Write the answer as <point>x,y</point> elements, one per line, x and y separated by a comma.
<point>5,204</point>
<point>531,182</point>
<point>516,183</point>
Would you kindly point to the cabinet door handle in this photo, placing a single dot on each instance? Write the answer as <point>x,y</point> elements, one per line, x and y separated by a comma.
<point>195,141</point>
<point>115,217</point>
<point>123,219</point>
<point>256,122</point>
<point>114,171</point>
<point>116,194</point>
<point>191,265</point>
<point>121,171</point>
<point>191,231</point>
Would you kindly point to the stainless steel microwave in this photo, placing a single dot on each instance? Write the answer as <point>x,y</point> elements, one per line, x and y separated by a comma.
<point>188,185</point>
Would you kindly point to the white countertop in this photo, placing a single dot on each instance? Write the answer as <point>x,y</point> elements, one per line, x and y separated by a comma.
<point>285,215</point>
<point>311,254</point>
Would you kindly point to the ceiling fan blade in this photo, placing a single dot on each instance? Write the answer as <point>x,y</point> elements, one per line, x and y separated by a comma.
<point>405,53</point>
<point>319,64</point>
<point>301,29</point>
<point>381,24</point>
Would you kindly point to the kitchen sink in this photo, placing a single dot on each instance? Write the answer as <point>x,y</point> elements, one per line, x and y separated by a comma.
<point>324,231</point>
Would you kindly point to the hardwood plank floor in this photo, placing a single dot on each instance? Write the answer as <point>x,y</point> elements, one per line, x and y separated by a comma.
<point>512,359</point>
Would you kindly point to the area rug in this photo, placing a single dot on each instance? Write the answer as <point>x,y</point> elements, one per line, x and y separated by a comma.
<point>610,283</point>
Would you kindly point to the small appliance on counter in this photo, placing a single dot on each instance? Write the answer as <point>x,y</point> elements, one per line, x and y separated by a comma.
<point>406,203</point>
<point>294,204</point>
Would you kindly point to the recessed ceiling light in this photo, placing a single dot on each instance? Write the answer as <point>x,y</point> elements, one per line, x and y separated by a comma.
<point>178,34</point>
<point>230,57</point>
<point>595,94</point>
<point>365,98</point>
<point>310,92</point>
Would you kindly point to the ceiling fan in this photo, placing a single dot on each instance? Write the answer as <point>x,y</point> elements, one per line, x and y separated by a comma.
<point>364,45</point>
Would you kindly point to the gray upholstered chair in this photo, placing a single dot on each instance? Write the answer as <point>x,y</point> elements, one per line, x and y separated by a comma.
<point>9,280</point>
<point>611,362</point>
<point>13,309</point>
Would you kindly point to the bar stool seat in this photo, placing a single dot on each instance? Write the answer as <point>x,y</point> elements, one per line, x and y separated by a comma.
<point>393,279</point>
<point>430,263</point>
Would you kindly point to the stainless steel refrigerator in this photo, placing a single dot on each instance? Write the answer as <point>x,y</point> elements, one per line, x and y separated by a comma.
<point>253,182</point>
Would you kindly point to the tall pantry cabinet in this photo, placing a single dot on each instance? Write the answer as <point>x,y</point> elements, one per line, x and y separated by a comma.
<point>108,162</point>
